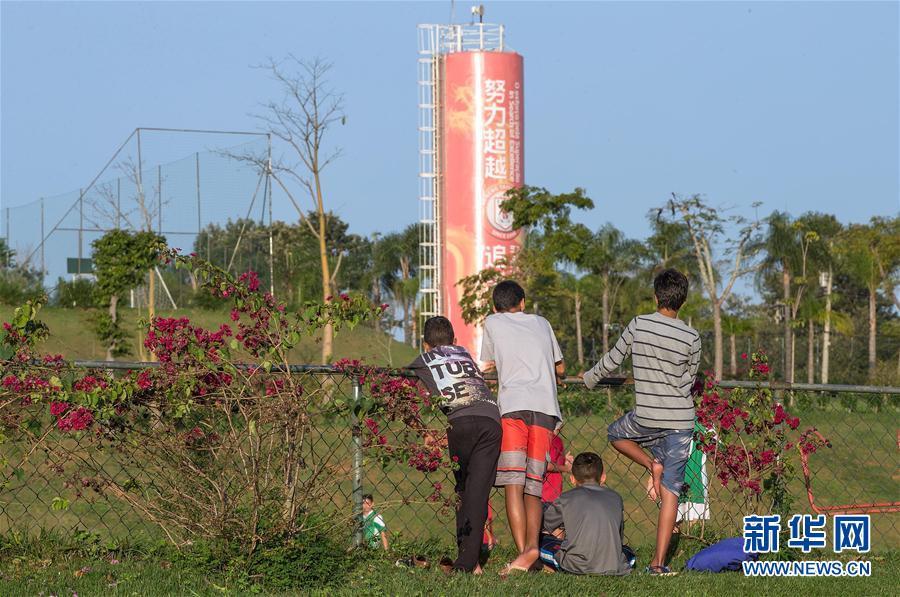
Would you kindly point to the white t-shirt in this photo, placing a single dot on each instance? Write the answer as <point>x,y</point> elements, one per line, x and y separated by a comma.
<point>525,350</point>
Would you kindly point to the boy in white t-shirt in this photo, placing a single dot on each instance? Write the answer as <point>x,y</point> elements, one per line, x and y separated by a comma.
<point>529,361</point>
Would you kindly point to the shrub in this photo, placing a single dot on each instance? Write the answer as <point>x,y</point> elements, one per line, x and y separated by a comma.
<point>217,448</point>
<point>77,293</point>
<point>750,438</point>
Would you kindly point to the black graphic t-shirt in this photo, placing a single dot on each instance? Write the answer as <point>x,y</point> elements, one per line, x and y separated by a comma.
<point>449,372</point>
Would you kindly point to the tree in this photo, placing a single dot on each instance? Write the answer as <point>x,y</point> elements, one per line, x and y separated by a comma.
<point>121,259</point>
<point>611,257</point>
<point>707,229</point>
<point>871,255</point>
<point>18,281</point>
<point>820,258</point>
<point>668,246</point>
<point>787,245</point>
<point>552,239</point>
<point>400,255</point>
<point>736,321</point>
<point>301,120</point>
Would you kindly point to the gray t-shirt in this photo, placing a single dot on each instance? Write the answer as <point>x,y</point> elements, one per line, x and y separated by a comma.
<point>526,352</point>
<point>449,372</point>
<point>592,518</point>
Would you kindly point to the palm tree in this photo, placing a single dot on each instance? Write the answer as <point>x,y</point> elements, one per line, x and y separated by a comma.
<point>870,253</point>
<point>611,257</point>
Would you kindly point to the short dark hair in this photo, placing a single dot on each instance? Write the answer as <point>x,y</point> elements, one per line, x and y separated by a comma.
<point>671,288</point>
<point>507,295</point>
<point>367,497</point>
<point>439,331</point>
<point>587,466</point>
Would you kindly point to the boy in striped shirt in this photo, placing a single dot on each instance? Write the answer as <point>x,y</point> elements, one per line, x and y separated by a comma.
<point>665,354</point>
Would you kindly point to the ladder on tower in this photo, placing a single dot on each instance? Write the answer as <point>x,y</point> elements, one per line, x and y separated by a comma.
<point>429,173</point>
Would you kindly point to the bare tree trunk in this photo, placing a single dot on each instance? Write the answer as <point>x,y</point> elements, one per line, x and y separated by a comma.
<point>407,328</point>
<point>578,328</point>
<point>733,345</point>
<point>826,331</point>
<point>376,298</point>
<point>788,347</point>
<point>810,352</point>
<point>718,358</point>
<point>328,330</point>
<point>605,306</point>
<point>793,355</point>
<point>114,316</point>
<point>873,333</point>
<point>151,304</point>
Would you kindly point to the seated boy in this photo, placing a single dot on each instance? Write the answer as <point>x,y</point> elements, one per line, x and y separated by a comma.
<point>584,526</point>
<point>374,529</point>
<point>528,360</point>
<point>665,354</point>
<point>448,371</point>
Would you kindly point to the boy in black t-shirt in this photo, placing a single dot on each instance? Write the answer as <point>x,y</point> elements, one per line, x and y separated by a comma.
<point>474,434</point>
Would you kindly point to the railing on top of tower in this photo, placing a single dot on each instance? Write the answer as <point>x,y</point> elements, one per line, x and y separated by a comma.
<point>470,37</point>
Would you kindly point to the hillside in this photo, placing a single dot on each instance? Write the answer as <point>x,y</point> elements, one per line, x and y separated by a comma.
<point>71,334</point>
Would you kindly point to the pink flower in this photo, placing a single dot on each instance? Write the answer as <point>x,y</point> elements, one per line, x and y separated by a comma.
<point>744,355</point>
<point>143,380</point>
<point>58,408</point>
<point>235,315</point>
<point>76,420</point>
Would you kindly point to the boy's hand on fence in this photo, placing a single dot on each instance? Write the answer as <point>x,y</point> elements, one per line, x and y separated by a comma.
<point>435,441</point>
<point>569,460</point>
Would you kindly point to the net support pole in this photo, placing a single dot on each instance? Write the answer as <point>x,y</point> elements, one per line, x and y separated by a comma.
<point>8,245</point>
<point>197,179</point>
<point>80,228</point>
<point>118,202</point>
<point>268,190</point>
<point>43,262</point>
<point>357,467</point>
<point>159,199</point>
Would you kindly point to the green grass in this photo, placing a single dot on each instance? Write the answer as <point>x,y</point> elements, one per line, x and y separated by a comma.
<point>376,575</point>
<point>72,335</point>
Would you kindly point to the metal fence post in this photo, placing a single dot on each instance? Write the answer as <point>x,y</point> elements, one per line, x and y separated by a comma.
<point>357,467</point>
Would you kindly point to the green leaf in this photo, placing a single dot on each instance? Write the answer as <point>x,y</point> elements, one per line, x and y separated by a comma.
<point>59,504</point>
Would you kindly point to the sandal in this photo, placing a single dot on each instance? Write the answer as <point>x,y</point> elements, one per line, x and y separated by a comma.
<point>510,570</point>
<point>659,571</point>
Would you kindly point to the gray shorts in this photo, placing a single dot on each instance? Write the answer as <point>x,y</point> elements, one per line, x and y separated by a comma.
<point>671,447</point>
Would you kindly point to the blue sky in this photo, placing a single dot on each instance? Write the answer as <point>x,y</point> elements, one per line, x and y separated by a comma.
<point>792,104</point>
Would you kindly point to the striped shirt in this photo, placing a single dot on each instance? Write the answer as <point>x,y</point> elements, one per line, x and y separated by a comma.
<point>665,354</point>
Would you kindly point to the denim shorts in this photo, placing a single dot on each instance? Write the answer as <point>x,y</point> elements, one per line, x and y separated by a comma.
<point>671,447</point>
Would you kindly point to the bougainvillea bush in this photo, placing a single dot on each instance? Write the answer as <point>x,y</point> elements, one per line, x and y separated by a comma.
<point>215,438</point>
<point>751,440</point>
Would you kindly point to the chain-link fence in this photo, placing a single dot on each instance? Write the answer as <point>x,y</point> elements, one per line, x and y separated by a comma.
<point>171,182</point>
<point>78,483</point>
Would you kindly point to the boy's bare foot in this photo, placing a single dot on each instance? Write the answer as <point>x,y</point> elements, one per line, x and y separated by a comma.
<point>656,473</point>
<point>478,570</point>
<point>651,490</point>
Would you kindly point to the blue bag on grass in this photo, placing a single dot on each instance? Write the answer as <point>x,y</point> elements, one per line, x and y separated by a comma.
<point>727,554</point>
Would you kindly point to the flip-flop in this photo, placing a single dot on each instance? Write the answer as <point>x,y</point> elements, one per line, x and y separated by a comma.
<point>510,570</point>
<point>446,565</point>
